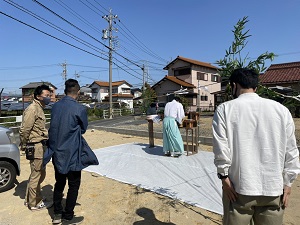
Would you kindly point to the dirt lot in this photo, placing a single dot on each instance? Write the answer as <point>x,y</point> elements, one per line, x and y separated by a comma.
<point>107,202</point>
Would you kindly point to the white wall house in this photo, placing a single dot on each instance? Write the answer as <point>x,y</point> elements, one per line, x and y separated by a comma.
<point>86,90</point>
<point>120,92</point>
<point>184,73</point>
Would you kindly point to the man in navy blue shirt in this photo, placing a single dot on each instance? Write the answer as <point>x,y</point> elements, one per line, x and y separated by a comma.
<point>71,153</point>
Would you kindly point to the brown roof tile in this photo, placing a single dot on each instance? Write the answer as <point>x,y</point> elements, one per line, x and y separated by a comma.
<point>192,61</point>
<point>281,73</point>
<point>175,80</point>
<point>115,83</point>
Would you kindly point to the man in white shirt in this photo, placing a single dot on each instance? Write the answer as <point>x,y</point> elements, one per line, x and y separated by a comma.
<point>256,154</point>
<point>172,140</point>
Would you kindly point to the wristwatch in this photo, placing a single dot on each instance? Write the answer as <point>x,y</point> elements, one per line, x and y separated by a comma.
<point>220,176</point>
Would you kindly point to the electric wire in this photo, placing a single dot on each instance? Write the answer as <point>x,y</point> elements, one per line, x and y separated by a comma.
<point>45,7</point>
<point>62,4</point>
<point>55,27</point>
<point>101,6</point>
<point>142,43</point>
<point>90,7</point>
<point>68,43</point>
<point>52,36</point>
<point>48,9</point>
<point>26,67</point>
<point>139,46</point>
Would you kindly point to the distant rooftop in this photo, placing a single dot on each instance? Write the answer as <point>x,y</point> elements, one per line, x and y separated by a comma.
<point>36,84</point>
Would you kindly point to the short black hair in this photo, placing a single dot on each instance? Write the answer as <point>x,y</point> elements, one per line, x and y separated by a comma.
<point>71,86</point>
<point>177,98</point>
<point>247,78</point>
<point>39,89</point>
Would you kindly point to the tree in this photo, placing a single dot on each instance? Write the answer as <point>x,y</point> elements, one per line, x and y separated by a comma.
<point>148,96</point>
<point>233,59</point>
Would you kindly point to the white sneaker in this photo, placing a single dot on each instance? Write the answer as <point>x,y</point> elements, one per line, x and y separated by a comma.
<point>42,205</point>
<point>26,203</point>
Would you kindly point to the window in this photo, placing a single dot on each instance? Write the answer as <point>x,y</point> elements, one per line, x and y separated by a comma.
<point>215,78</point>
<point>202,76</point>
<point>185,71</point>
<point>94,90</point>
<point>125,90</point>
<point>204,98</point>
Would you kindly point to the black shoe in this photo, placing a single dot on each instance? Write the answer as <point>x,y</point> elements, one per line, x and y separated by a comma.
<point>75,220</point>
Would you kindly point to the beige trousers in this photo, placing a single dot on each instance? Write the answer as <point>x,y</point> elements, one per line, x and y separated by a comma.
<point>260,210</point>
<point>33,194</point>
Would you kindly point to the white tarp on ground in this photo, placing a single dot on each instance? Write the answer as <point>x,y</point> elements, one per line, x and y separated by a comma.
<point>191,179</point>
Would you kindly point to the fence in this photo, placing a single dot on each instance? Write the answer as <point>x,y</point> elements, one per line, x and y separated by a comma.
<point>15,121</point>
<point>117,112</point>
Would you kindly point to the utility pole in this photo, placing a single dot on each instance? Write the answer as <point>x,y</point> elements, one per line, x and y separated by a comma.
<point>107,34</point>
<point>0,99</point>
<point>144,74</point>
<point>64,73</point>
<point>198,108</point>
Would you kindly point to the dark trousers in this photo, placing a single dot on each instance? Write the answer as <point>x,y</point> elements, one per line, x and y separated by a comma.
<point>73,178</point>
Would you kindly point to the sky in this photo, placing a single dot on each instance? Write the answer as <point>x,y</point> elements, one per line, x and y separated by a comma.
<point>146,33</point>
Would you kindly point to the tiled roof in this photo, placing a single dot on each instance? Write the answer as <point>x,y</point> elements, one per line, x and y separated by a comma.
<point>192,61</point>
<point>281,73</point>
<point>175,80</point>
<point>115,83</point>
<point>36,84</point>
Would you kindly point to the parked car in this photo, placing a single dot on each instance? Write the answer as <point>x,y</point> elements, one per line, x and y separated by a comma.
<point>9,159</point>
<point>156,107</point>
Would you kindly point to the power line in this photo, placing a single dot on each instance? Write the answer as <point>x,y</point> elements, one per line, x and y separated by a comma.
<point>90,7</point>
<point>62,4</point>
<point>51,36</point>
<point>127,67</point>
<point>127,59</point>
<point>55,27</point>
<point>142,43</point>
<point>26,67</point>
<point>30,78</point>
<point>101,6</point>
<point>80,30</point>
<point>48,9</point>
<point>289,53</point>
<point>137,45</point>
<point>96,67</point>
<point>65,42</point>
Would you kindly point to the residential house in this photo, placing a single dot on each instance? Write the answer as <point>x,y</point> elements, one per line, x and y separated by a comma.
<point>86,90</point>
<point>28,90</point>
<point>120,92</point>
<point>282,77</point>
<point>137,93</point>
<point>190,78</point>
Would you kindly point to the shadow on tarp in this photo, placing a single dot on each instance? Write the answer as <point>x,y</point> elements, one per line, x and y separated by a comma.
<point>156,150</point>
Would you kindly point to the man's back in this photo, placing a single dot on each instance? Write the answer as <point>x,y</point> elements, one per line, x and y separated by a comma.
<point>174,109</point>
<point>68,123</point>
<point>260,137</point>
